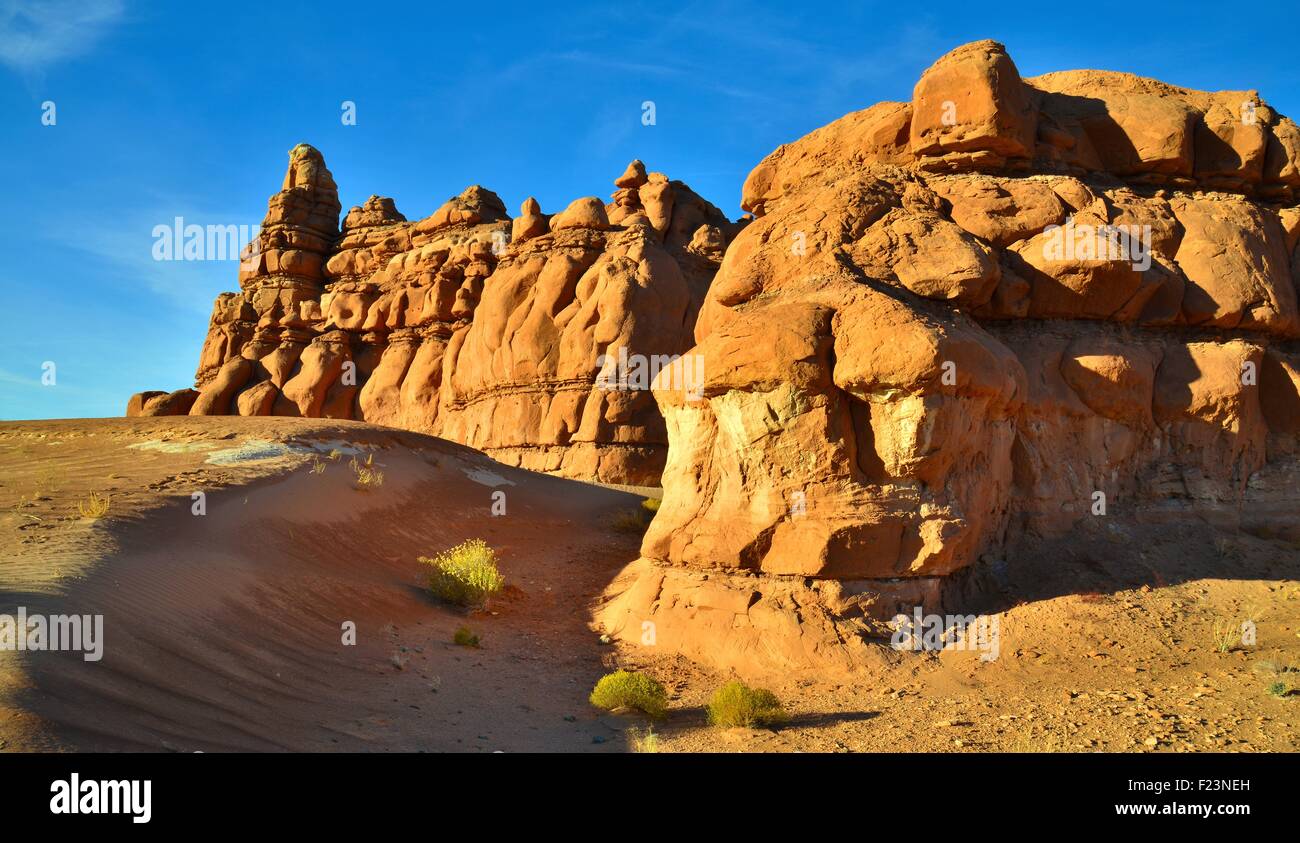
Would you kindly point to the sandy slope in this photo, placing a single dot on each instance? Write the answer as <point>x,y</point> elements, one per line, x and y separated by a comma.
<point>223,631</point>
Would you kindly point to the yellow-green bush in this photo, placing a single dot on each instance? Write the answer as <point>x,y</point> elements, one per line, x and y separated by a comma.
<point>628,689</point>
<point>464,637</point>
<point>737,704</point>
<point>466,574</point>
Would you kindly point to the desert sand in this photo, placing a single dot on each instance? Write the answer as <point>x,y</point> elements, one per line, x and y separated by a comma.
<point>225,631</point>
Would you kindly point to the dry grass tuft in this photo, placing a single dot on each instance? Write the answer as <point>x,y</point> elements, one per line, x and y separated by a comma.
<point>94,507</point>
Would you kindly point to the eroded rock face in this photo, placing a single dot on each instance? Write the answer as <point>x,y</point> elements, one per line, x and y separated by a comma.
<point>1000,311</point>
<point>965,319</point>
<point>467,324</point>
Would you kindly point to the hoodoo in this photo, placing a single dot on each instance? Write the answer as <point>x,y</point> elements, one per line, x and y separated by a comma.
<point>468,324</point>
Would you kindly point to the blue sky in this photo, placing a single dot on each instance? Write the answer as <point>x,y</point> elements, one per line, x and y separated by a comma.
<point>169,109</point>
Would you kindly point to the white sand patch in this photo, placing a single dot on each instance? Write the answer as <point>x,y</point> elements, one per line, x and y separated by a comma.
<point>256,450</point>
<point>177,447</point>
<point>486,478</point>
<point>252,450</point>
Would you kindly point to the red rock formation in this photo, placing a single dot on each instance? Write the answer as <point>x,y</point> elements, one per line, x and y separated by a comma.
<point>467,324</point>
<point>954,322</point>
<point>156,403</point>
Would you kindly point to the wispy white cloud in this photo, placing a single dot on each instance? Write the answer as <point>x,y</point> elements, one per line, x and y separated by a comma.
<point>35,34</point>
<point>120,249</point>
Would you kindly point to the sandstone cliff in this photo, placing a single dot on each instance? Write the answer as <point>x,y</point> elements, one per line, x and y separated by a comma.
<point>468,324</point>
<point>1004,308</point>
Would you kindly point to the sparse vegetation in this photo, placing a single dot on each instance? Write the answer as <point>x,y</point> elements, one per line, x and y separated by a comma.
<point>335,455</point>
<point>643,741</point>
<point>628,689</point>
<point>737,704</point>
<point>1226,634</point>
<point>633,521</point>
<point>1286,677</point>
<point>465,575</point>
<point>463,637</point>
<point>368,477</point>
<point>94,507</point>
<point>1043,742</point>
<point>317,466</point>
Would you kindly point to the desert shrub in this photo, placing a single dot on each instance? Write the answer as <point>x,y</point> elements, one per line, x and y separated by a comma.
<point>465,575</point>
<point>737,704</point>
<point>1283,679</point>
<point>368,477</point>
<point>94,507</point>
<point>464,638</point>
<point>628,689</point>
<point>651,504</point>
<point>317,466</point>
<point>1226,634</point>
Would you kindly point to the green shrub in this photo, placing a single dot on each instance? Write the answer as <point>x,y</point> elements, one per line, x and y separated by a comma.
<point>465,638</point>
<point>737,704</point>
<point>651,504</point>
<point>1279,689</point>
<point>627,689</point>
<point>465,575</point>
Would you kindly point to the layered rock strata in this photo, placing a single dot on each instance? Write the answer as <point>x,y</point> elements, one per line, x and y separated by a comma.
<point>504,334</point>
<point>998,310</point>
